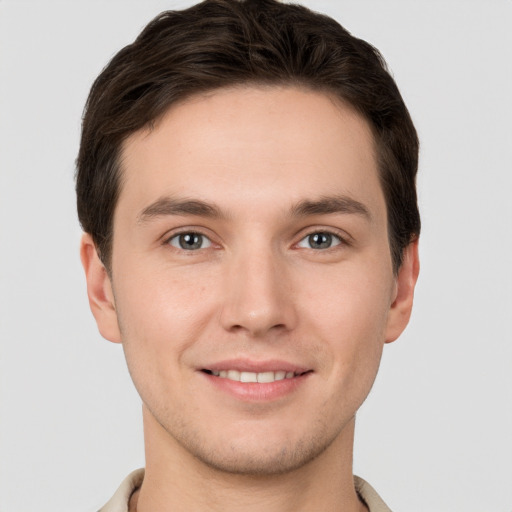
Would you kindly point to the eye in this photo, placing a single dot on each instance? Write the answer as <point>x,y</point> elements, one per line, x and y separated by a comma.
<point>319,240</point>
<point>190,241</point>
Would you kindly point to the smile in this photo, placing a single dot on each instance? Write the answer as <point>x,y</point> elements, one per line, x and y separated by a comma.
<point>260,377</point>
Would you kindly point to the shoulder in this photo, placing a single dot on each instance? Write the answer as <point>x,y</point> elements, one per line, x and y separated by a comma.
<point>119,501</point>
<point>369,495</point>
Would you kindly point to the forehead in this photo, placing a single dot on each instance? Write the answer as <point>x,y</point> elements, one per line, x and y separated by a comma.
<point>252,146</point>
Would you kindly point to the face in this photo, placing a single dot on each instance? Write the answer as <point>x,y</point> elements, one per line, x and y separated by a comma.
<point>252,284</point>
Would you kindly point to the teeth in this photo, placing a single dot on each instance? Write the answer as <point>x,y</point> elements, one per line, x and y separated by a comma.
<point>248,377</point>
<point>266,377</point>
<point>262,377</point>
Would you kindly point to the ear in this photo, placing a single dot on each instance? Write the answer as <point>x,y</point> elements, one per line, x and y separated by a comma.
<point>405,282</point>
<point>99,290</point>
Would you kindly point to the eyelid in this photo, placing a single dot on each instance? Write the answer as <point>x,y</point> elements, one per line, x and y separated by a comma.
<point>336,241</point>
<point>169,235</point>
<point>342,236</point>
<point>205,242</point>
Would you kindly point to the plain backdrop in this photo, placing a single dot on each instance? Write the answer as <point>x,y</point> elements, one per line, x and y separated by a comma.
<point>435,433</point>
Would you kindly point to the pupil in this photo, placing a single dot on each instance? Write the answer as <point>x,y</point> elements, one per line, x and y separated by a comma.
<point>190,241</point>
<point>320,240</point>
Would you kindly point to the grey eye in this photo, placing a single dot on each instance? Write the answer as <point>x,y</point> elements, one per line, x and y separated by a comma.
<point>190,241</point>
<point>319,240</point>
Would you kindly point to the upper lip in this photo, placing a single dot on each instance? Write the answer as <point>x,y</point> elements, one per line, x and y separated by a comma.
<point>248,365</point>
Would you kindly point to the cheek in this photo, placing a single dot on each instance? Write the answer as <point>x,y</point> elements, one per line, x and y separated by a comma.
<point>161,313</point>
<point>356,298</point>
<point>350,314</point>
<point>159,296</point>
<point>355,349</point>
<point>160,317</point>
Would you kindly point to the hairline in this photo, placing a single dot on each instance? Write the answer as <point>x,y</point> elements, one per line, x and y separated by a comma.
<point>336,98</point>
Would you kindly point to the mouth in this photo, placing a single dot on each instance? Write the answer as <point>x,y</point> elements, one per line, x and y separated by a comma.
<point>265,377</point>
<point>252,381</point>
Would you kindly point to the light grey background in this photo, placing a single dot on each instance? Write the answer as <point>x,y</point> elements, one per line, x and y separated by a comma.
<point>435,433</point>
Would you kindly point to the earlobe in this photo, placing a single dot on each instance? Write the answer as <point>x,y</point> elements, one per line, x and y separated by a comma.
<point>400,310</point>
<point>99,290</point>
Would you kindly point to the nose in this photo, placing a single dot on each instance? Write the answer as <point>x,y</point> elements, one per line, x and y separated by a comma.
<point>258,296</point>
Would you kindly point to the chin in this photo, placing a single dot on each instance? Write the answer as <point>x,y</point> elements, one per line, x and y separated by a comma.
<point>257,455</point>
<point>281,460</point>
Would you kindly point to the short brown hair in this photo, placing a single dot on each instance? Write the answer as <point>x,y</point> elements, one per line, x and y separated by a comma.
<point>220,43</point>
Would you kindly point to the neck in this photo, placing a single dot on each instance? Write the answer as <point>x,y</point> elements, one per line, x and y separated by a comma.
<point>176,480</point>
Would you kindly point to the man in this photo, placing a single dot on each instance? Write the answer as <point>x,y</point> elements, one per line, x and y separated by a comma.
<point>246,184</point>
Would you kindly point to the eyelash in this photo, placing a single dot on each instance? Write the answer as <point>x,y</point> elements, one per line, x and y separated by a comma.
<point>331,235</point>
<point>194,233</point>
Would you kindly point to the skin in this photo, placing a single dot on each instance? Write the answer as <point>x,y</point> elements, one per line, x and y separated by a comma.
<point>257,290</point>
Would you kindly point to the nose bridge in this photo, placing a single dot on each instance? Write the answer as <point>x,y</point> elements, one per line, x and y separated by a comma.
<point>258,297</point>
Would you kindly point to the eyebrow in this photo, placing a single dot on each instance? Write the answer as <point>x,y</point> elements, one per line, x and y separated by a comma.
<point>325,205</point>
<point>329,205</point>
<point>173,206</point>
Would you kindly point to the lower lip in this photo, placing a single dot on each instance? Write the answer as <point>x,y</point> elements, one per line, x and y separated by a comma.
<point>255,391</point>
